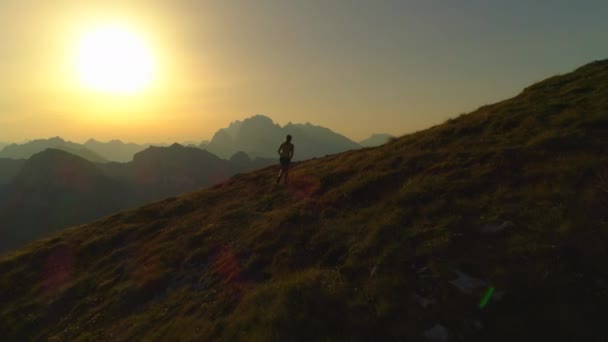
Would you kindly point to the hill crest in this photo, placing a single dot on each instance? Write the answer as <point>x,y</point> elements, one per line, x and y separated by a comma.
<point>387,243</point>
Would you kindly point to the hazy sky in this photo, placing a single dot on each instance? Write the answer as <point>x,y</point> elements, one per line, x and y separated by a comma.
<point>356,67</point>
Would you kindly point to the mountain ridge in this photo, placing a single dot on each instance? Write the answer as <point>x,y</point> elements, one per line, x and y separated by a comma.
<point>115,150</point>
<point>153,174</point>
<point>54,188</point>
<point>26,150</point>
<point>396,242</point>
<point>259,136</point>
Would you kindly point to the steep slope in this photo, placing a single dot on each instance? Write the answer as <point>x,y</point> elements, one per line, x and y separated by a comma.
<point>491,227</point>
<point>24,151</point>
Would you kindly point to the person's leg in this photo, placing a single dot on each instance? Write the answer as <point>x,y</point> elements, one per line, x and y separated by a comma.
<point>286,173</point>
<point>280,174</point>
<point>282,171</point>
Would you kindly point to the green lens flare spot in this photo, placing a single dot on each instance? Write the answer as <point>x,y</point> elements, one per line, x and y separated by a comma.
<point>486,298</point>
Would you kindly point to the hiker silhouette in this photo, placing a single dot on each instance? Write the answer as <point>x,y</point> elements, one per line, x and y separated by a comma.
<point>285,154</point>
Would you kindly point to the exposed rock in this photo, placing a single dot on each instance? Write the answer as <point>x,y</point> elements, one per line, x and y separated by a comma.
<point>493,228</point>
<point>421,270</point>
<point>467,284</point>
<point>373,271</point>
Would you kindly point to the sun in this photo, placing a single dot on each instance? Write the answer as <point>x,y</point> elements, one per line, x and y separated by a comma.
<point>114,59</point>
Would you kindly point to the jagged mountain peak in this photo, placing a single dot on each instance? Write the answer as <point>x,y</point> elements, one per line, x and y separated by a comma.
<point>259,136</point>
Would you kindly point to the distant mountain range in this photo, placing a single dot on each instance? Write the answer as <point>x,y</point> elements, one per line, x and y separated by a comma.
<point>259,136</point>
<point>92,150</point>
<point>114,150</point>
<point>54,188</point>
<point>48,184</point>
<point>24,151</point>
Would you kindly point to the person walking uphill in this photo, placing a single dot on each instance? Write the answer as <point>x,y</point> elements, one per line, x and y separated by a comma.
<point>285,154</point>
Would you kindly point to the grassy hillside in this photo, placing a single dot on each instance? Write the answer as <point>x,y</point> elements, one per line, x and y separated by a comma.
<point>398,242</point>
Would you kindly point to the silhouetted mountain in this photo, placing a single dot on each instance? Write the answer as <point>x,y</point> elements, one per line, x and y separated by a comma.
<point>190,143</point>
<point>167,171</point>
<point>24,151</point>
<point>259,136</point>
<point>158,172</point>
<point>3,144</point>
<point>9,169</point>
<point>490,227</point>
<point>242,161</point>
<point>376,140</point>
<point>316,141</point>
<point>114,150</point>
<point>40,197</point>
<point>54,189</point>
<point>240,158</point>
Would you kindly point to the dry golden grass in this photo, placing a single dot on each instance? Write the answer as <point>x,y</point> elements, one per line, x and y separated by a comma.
<point>348,248</point>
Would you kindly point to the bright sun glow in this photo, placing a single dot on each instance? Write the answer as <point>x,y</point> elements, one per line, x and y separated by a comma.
<point>113,59</point>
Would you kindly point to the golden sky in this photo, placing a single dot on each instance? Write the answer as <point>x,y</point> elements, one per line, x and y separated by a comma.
<point>356,67</point>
